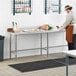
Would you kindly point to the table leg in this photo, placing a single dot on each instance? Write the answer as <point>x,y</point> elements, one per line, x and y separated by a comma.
<point>16,46</point>
<point>67,64</point>
<point>10,46</point>
<point>41,43</point>
<point>47,45</point>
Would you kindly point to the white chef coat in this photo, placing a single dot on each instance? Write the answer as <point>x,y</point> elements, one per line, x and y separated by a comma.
<point>70,19</point>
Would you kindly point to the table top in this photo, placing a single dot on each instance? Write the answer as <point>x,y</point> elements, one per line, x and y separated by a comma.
<point>37,32</point>
<point>70,53</point>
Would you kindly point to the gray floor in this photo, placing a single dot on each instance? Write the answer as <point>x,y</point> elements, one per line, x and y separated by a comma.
<point>6,70</point>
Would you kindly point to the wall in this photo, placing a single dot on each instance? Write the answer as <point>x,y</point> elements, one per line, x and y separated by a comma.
<point>37,18</point>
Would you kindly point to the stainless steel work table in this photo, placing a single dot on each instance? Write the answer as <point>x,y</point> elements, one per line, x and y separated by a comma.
<point>71,53</point>
<point>31,33</point>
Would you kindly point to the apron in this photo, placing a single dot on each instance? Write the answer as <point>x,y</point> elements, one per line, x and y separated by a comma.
<point>69,33</point>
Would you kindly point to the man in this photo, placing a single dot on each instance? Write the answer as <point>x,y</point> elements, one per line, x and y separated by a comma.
<point>69,24</point>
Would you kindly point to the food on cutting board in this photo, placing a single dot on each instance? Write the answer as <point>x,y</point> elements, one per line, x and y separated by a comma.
<point>41,28</point>
<point>45,27</point>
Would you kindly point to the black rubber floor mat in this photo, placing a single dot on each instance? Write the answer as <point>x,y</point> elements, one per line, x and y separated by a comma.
<point>43,64</point>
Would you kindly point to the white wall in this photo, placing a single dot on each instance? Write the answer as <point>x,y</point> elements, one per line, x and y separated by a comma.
<point>37,18</point>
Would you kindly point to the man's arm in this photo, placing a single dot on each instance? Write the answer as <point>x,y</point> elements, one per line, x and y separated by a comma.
<point>68,20</point>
